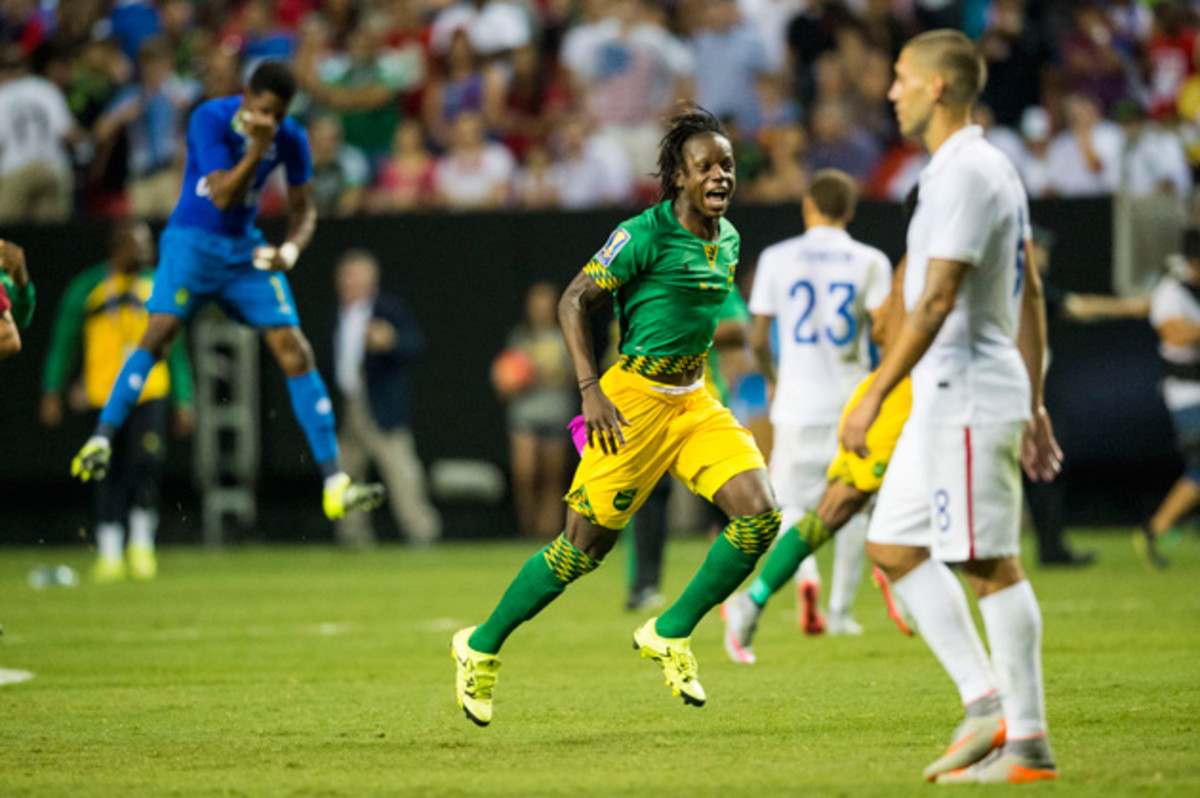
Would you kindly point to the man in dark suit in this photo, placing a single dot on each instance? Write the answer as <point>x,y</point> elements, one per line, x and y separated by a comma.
<point>375,344</point>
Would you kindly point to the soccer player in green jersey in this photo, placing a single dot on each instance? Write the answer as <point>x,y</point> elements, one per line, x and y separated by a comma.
<point>670,270</point>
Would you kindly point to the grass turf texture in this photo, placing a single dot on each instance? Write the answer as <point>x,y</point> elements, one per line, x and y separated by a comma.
<point>318,671</point>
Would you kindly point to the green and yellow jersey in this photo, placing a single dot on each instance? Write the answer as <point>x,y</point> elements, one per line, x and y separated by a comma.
<point>669,286</point>
<point>22,299</point>
<point>107,312</point>
<point>734,309</point>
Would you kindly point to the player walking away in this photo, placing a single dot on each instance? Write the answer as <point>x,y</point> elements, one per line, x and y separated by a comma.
<point>850,483</point>
<point>974,339</point>
<point>1175,315</point>
<point>211,251</point>
<point>17,298</point>
<point>822,287</point>
<point>103,313</point>
<point>670,269</point>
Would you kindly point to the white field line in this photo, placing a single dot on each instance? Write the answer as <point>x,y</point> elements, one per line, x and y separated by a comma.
<point>14,677</point>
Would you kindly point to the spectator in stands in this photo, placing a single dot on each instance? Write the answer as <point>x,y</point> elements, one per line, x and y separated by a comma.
<point>628,73</point>
<point>1034,163</point>
<point>151,111</point>
<point>729,57</point>
<point>868,101</point>
<point>1085,159</point>
<point>591,171</point>
<point>474,173</point>
<point>539,408</point>
<point>361,85</point>
<point>1017,55</point>
<point>408,38</point>
<point>76,23</point>
<point>769,19</point>
<point>222,74</point>
<point>784,177</point>
<point>534,186</point>
<point>1152,160</point>
<point>493,27</point>
<point>132,22</point>
<point>535,96</point>
<point>262,37</point>
<point>461,83</point>
<point>776,108</point>
<point>810,34</point>
<point>186,40</point>
<point>341,173</point>
<point>406,177</point>
<point>1092,64</point>
<point>376,342</point>
<point>1172,56</point>
<point>838,144</point>
<point>885,28</point>
<point>36,182</point>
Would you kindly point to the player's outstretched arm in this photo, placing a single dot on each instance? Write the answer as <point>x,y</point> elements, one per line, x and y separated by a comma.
<point>920,328</point>
<point>1041,456</point>
<point>600,415</point>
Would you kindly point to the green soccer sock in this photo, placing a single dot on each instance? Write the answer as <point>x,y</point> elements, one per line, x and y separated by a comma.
<point>800,540</point>
<point>542,578</point>
<point>730,560</point>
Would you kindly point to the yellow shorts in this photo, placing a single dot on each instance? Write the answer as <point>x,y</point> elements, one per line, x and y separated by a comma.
<point>867,475</point>
<point>691,434</point>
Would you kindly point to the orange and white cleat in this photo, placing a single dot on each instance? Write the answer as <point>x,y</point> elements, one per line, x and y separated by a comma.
<point>974,739</point>
<point>1002,767</point>
<point>893,609</point>
<point>808,613</point>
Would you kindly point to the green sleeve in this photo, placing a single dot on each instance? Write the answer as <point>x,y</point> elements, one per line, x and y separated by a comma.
<point>180,370</point>
<point>23,300</point>
<point>621,257</point>
<point>68,329</point>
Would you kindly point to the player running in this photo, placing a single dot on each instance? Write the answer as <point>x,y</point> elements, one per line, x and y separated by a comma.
<point>211,251</point>
<point>822,288</point>
<point>974,339</point>
<point>850,484</point>
<point>670,269</point>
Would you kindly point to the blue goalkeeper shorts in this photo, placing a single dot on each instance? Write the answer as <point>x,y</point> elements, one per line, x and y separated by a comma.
<point>195,267</point>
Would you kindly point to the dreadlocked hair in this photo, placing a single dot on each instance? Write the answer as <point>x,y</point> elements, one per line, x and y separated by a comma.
<point>692,120</point>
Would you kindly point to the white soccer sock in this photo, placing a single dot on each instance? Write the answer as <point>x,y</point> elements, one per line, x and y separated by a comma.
<point>1014,628</point>
<point>110,541</point>
<point>937,603</point>
<point>849,551</point>
<point>143,524</point>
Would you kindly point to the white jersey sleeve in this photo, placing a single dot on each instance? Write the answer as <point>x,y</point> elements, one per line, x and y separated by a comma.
<point>879,280</point>
<point>763,293</point>
<point>964,210</point>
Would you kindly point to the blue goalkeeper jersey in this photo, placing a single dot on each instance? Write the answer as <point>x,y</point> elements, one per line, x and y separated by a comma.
<point>214,145</point>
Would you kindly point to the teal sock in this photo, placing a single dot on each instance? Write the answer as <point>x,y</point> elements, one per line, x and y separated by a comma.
<point>542,578</point>
<point>730,560</point>
<point>800,540</point>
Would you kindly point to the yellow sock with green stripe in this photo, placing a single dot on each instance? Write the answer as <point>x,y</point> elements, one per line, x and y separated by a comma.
<point>542,579</point>
<point>730,560</point>
<point>800,540</point>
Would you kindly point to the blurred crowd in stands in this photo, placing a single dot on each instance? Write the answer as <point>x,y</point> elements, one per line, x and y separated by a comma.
<point>422,104</point>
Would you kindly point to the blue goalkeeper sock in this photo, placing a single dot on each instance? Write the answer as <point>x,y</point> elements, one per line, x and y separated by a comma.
<point>125,393</point>
<point>314,411</point>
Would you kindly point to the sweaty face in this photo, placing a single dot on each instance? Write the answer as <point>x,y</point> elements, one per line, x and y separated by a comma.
<point>912,95</point>
<point>707,178</point>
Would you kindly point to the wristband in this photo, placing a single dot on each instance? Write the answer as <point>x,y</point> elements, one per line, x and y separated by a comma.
<point>588,383</point>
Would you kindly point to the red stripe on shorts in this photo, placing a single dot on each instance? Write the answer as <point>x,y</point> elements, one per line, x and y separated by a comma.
<point>970,501</point>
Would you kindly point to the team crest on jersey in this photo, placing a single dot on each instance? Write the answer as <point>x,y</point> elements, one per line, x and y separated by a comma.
<point>624,499</point>
<point>710,254</point>
<point>618,239</point>
<point>181,297</point>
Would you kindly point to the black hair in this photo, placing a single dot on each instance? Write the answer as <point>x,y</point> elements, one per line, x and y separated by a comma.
<point>275,77</point>
<point>692,120</point>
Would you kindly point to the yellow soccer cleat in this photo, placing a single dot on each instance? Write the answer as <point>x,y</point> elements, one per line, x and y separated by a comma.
<point>92,461</point>
<point>343,496</point>
<point>475,678</point>
<point>974,739</point>
<point>674,656</point>
<point>143,565</point>
<point>107,570</point>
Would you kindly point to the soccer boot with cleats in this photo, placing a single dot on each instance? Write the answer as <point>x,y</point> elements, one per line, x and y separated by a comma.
<point>674,656</point>
<point>92,461</point>
<point>107,570</point>
<point>1145,543</point>
<point>740,614</point>
<point>841,623</point>
<point>975,738</point>
<point>808,611</point>
<point>475,677</point>
<point>143,564</point>
<point>893,608</point>
<point>1018,762</point>
<point>343,496</point>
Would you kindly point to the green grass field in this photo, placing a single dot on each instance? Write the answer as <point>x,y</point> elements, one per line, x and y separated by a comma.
<point>315,671</point>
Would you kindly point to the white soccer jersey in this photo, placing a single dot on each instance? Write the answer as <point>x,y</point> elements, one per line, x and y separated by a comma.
<point>819,287</point>
<point>1172,300</point>
<point>33,119</point>
<point>971,208</point>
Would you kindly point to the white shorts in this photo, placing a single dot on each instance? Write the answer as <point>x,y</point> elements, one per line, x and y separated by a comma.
<point>800,456</point>
<point>954,490</point>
